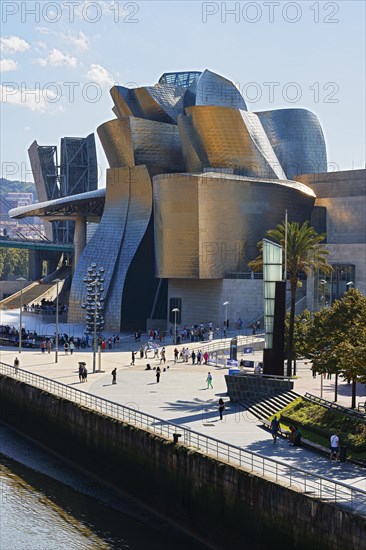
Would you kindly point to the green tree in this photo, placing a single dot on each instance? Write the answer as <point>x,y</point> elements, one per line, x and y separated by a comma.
<point>304,254</point>
<point>13,262</point>
<point>301,328</point>
<point>337,339</point>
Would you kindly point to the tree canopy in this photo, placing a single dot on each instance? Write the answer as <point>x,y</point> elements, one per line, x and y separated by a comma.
<point>13,262</point>
<point>336,339</point>
<point>304,254</point>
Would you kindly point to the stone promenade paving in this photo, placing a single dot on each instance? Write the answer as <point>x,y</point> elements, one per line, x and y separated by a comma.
<point>182,397</point>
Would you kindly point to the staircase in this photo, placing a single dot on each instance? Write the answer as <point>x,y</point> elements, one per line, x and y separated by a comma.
<point>263,408</point>
<point>31,294</point>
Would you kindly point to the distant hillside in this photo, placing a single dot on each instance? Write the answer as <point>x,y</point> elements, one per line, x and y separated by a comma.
<point>16,186</point>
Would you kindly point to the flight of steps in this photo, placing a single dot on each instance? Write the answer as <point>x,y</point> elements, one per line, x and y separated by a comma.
<point>263,408</point>
<point>30,295</point>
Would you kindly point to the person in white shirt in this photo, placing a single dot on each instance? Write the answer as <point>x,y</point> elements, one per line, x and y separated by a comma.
<point>334,447</point>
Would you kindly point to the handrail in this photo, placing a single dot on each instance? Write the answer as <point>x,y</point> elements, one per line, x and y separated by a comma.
<point>343,495</point>
<point>332,405</point>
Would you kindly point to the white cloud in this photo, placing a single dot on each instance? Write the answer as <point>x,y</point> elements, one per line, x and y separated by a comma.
<point>7,65</point>
<point>35,100</point>
<point>43,30</point>
<point>100,75</point>
<point>40,45</point>
<point>13,44</point>
<point>80,41</point>
<point>56,58</point>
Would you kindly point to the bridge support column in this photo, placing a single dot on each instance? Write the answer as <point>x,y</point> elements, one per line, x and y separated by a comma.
<point>35,259</point>
<point>79,238</point>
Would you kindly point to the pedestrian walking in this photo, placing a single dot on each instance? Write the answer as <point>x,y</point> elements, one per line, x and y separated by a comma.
<point>132,358</point>
<point>158,375</point>
<point>209,381</point>
<point>275,426</point>
<point>176,354</point>
<point>221,407</point>
<point>66,348</point>
<point>72,347</point>
<point>193,356</point>
<point>49,345</point>
<point>16,365</point>
<point>114,376</point>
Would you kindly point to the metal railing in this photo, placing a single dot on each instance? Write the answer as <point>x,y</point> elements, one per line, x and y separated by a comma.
<point>341,494</point>
<point>332,405</point>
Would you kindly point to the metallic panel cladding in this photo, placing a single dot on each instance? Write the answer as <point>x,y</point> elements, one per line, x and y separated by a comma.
<point>297,139</point>
<point>213,89</point>
<point>138,216</point>
<point>127,212</point>
<point>205,224</point>
<point>229,138</point>
<point>130,141</point>
<point>105,244</point>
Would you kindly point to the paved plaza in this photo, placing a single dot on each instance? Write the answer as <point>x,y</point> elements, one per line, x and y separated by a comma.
<point>182,397</point>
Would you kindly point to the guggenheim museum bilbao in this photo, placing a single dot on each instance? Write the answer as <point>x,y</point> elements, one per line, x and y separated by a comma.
<point>195,181</point>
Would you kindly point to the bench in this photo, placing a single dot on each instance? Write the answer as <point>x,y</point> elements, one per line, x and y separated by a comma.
<point>266,423</point>
<point>305,443</point>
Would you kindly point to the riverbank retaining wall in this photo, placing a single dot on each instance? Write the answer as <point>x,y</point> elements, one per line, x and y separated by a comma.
<point>225,506</point>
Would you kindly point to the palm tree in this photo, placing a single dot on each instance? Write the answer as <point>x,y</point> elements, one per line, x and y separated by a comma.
<point>304,254</point>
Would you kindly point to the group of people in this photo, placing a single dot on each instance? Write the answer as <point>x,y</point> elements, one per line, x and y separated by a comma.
<point>294,437</point>
<point>196,333</point>
<point>196,357</point>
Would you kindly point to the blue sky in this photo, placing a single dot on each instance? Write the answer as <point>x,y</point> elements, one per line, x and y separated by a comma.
<point>59,59</point>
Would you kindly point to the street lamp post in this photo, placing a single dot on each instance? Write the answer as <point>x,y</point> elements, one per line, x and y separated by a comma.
<point>225,322</point>
<point>323,282</point>
<point>20,320</point>
<point>56,337</point>
<point>95,325</point>
<point>175,311</point>
<point>21,315</point>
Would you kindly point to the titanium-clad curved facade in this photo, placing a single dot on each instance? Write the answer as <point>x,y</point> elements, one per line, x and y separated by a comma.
<point>131,141</point>
<point>297,139</point>
<point>212,89</point>
<point>226,138</point>
<point>127,212</point>
<point>205,223</point>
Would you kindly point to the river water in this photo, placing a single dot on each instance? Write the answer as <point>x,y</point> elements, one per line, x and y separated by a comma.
<point>47,504</point>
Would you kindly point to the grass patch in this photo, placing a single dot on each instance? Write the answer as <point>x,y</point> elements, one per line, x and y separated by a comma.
<point>318,423</point>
